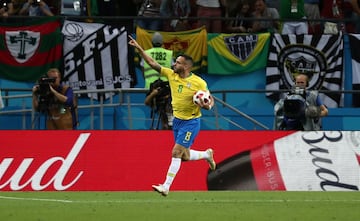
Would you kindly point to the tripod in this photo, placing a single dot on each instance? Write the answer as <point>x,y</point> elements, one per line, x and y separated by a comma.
<point>153,115</point>
<point>37,121</point>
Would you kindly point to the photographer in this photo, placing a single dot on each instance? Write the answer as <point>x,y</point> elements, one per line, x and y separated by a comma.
<point>56,101</point>
<point>6,8</point>
<point>35,8</point>
<point>301,109</point>
<point>159,99</point>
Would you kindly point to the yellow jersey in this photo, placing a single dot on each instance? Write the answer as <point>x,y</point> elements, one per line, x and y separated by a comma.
<point>182,91</point>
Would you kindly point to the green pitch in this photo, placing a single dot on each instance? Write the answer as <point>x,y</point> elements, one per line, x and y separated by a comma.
<point>197,206</point>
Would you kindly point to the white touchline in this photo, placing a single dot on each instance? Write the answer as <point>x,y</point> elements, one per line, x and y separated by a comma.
<point>35,199</point>
<point>182,201</point>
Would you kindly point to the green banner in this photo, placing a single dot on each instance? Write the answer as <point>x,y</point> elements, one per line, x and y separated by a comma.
<point>237,53</point>
<point>28,50</point>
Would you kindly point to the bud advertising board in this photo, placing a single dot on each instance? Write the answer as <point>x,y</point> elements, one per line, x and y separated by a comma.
<point>134,160</point>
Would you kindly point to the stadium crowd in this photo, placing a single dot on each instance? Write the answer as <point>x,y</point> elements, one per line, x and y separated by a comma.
<point>225,16</point>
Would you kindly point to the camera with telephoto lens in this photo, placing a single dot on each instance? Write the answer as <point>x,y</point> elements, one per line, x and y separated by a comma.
<point>295,103</point>
<point>44,85</point>
<point>44,92</point>
<point>5,6</point>
<point>36,2</point>
<point>162,87</point>
<point>163,95</point>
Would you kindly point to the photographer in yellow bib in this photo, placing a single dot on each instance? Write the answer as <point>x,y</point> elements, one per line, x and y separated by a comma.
<point>161,55</point>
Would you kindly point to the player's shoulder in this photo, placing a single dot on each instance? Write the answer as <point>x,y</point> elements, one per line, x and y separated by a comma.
<point>166,71</point>
<point>197,78</point>
<point>195,75</point>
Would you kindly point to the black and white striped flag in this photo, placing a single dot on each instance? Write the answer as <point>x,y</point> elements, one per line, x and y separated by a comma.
<point>95,57</point>
<point>354,41</point>
<point>318,56</point>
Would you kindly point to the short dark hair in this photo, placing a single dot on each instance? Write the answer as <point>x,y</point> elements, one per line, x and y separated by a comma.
<point>188,58</point>
<point>54,70</point>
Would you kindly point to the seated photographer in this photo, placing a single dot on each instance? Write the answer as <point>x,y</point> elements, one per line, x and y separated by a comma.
<point>56,101</point>
<point>301,109</point>
<point>159,99</point>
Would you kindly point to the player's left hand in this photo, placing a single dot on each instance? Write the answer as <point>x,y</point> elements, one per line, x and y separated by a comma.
<point>204,105</point>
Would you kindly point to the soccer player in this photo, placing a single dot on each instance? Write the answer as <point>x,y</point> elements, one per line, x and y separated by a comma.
<point>186,124</point>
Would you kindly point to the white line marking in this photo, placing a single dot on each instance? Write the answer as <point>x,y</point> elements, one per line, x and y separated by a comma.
<point>34,199</point>
<point>161,200</point>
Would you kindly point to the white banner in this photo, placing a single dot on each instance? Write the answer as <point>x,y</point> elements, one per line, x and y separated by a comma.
<point>95,56</point>
<point>320,57</point>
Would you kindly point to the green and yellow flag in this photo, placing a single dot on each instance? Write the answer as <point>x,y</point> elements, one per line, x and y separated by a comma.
<point>191,42</point>
<point>237,53</point>
<point>29,49</point>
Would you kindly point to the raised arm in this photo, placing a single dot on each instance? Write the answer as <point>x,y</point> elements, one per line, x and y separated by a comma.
<point>153,64</point>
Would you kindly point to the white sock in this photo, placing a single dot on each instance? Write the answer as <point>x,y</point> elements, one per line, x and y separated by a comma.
<point>172,171</point>
<point>198,155</point>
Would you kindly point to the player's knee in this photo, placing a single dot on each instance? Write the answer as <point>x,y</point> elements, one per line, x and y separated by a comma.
<point>179,152</point>
<point>176,153</point>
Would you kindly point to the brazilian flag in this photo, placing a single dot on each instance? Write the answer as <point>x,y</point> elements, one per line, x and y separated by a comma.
<point>237,53</point>
<point>29,49</point>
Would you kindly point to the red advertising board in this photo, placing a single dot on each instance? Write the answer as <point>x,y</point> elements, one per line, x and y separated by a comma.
<point>110,160</point>
<point>135,160</point>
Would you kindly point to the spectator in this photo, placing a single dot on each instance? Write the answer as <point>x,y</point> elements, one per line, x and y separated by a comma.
<point>176,8</point>
<point>150,10</point>
<point>355,5</point>
<point>348,14</point>
<point>293,10</point>
<point>266,18</point>
<point>17,6</point>
<point>302,109</point>
<point>7,8</point>
<point>239,25</point>
<point>332,9</point>
<point>36,8</point>
<point>193,13</point>
<point>312,12</point>
<point>56,101</point>
<point>210,9</point>
<point>273,4</point>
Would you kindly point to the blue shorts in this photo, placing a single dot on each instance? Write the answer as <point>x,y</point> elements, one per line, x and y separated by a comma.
<point>185,131</point>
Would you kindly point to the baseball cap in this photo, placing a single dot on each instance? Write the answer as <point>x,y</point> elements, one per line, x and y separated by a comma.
<point>157,39</point>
